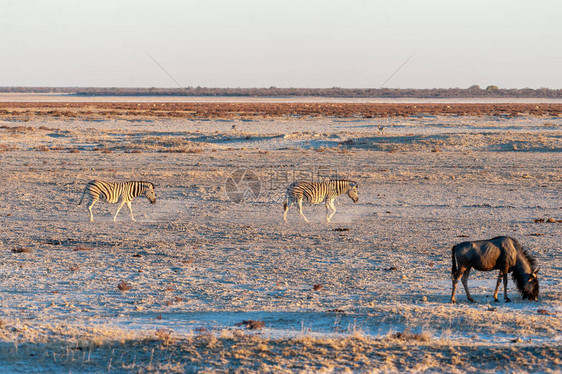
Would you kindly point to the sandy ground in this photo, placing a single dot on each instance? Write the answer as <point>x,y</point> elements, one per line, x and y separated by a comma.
<point>199,263</point>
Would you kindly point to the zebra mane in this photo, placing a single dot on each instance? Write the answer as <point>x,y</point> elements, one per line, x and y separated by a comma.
<point>145,182</point>
<point>343,180</point>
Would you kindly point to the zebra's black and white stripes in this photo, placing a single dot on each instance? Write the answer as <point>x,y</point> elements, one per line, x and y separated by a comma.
<point>112,192</point>
<point>317,192</point>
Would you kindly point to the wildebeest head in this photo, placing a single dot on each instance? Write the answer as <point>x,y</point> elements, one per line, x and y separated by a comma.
<point>149,192</point>
<point>352,192</point>
<point>531,287</point>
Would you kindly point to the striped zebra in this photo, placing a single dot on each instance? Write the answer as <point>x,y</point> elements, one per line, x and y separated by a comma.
<point>112,192</point>
<point>317,192</point>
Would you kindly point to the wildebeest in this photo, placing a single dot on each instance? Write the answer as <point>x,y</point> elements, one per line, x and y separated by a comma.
<point>501,253</point>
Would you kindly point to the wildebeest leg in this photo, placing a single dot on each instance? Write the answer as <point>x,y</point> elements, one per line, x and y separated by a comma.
<point>456,278</point>
<point>465,284</point>
<point>500,275</point>
<point>507,299</point>
<point>118,209</point>
<point>300,210</point>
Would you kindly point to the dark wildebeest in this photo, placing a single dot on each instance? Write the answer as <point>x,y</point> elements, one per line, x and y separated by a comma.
<point>502,253</point>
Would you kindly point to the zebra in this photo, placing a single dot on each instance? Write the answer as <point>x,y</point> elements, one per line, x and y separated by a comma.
<point>317,192</point>
<point>112,192</point>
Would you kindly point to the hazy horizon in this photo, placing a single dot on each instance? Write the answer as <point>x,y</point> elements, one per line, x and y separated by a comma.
<point>299,44</point>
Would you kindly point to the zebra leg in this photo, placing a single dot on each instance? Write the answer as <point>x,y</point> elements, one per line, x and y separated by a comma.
<point>331,203</point>
<point>300,209</point>
<point>90,206</point>
<point>118,209</point>
<point>465,284</point>
<point>130,210</point>
<point>286,208</point>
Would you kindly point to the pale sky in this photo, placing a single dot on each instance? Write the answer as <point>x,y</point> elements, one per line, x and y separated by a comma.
<point>286,43</point>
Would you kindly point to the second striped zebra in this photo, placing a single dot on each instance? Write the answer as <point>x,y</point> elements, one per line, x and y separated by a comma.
<point>317,192</point>
<point>112,192</point>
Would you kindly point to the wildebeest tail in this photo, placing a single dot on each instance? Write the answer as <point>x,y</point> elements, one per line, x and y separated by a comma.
<point>454,260</point>
<point>285,205</point>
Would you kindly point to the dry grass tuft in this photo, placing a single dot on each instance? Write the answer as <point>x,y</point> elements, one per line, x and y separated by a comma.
<point>165,336</point>
<point>41,148</point>
<point>317,287</point>
<point>82,248</point>
<point>547,220</point>
<point>184,150</point>
<point>21,250</point>
<point>251,324</point>
<point>407,335</point>
<point>8,147</point>
<point>20,129</point>
<point>124,286</point>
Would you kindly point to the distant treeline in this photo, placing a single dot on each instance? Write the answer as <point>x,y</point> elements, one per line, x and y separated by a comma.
<point>473,91</point>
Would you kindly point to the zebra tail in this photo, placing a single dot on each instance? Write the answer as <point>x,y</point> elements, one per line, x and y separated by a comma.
<point>454,260</point>
<point>83,193</point>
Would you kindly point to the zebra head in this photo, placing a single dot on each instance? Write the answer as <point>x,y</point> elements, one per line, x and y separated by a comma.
<point>149,192</point>
<point>352,192</point>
